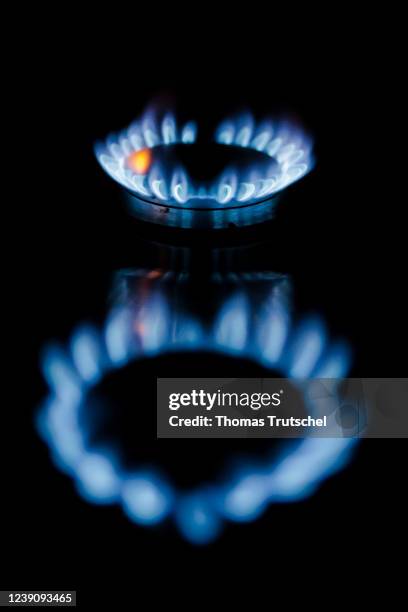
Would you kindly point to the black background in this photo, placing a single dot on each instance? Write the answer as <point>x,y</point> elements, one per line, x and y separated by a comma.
<point>339,234</point>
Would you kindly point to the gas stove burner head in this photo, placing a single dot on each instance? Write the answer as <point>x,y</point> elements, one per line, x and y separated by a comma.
<point>176,178</point>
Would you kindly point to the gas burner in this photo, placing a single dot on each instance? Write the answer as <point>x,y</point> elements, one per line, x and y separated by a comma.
<point>175,178</point>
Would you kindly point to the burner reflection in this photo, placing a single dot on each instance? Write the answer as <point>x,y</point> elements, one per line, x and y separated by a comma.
<point>146,321</point>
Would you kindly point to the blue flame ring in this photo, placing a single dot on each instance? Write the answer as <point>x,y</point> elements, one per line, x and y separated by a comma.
<point>285,144</point>
<point>146,498</point>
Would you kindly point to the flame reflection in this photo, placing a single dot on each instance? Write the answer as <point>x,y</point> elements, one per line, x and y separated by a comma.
<point>154,325</point>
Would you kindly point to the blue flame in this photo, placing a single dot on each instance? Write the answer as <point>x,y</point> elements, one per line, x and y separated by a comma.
<point>146,499</point>
<point>197,517</point>
<point>302,351</point>
<point>97,478</point>
<point>287,147</point>
<point>231,328</point>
